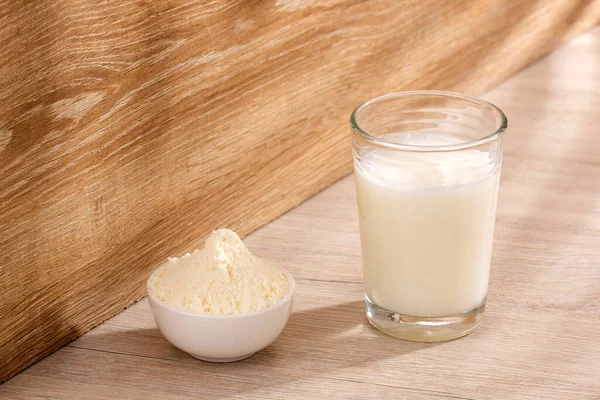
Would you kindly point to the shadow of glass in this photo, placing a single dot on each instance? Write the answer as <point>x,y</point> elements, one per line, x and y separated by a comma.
<point>318,342</point>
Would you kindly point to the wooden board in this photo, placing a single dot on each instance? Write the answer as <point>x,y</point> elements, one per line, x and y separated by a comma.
<point>541,335</point>
<point>130,129</point>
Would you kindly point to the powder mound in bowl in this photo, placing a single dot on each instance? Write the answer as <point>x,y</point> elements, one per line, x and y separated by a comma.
<point>223,278</point>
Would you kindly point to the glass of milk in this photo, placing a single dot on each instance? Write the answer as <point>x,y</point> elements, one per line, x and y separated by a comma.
<point>427,167</point>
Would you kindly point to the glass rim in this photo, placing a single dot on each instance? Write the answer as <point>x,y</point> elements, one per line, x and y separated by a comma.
<point>490,137</point>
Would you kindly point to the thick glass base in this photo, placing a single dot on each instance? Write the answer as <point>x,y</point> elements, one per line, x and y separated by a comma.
<point>423,329</point>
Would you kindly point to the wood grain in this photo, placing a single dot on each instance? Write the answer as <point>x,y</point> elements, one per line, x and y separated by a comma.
<point>541,335</point>
<point>130,129</point>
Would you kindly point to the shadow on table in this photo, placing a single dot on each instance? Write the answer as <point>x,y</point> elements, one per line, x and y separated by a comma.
<point>317,342</point>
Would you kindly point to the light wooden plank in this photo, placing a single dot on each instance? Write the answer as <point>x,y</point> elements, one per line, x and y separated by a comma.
<point>329,344</point>
<point>115,380</point>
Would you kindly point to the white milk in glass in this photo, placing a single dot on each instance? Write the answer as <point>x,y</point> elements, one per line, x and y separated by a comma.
<point>427,222</point>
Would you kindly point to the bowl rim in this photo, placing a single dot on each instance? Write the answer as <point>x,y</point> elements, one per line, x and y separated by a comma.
<point>287,298</point>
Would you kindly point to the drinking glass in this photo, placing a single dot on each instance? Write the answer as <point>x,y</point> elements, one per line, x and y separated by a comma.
<point>427,168</point>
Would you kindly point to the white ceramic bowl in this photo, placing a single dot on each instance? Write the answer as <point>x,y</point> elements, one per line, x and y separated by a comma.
<point>221,338</point>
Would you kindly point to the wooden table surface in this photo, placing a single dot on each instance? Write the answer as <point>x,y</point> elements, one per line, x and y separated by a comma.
<point>541,334</point>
